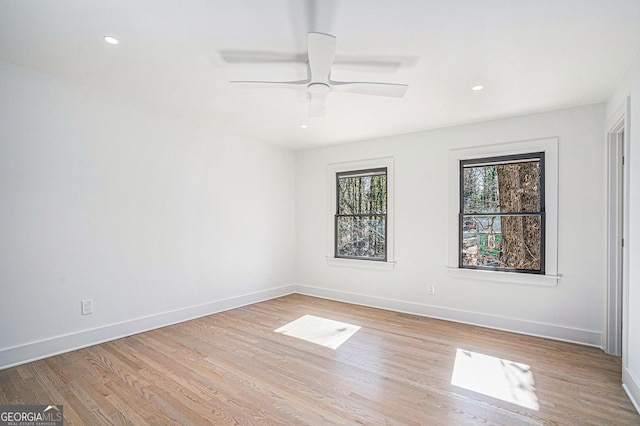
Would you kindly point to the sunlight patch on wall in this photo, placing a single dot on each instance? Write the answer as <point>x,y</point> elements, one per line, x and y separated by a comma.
<point>321,331</point>
<point>498,378</point>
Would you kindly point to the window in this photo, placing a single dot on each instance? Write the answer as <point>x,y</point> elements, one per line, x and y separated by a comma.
<point>361,214</point>
<point>502,213</point>
<point>349,246</point>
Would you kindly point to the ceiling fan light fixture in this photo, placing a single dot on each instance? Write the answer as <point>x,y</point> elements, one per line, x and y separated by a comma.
<point>110,39</point>
<point>318,88</point>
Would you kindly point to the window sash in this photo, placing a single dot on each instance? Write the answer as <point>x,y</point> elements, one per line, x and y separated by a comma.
<point>362,173</point>
<point>338,214</point>
<point>382,217</point>
<point>496,161</point>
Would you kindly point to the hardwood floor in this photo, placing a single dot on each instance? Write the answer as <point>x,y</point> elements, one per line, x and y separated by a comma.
<point>231,368</point>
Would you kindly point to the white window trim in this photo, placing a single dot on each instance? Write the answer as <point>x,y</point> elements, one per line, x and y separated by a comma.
<point>550,147</point>
<point>336,168</point>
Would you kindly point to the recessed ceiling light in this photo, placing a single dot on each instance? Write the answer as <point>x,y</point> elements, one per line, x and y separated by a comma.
<point>303,126</point>
<point>476,88</point>
<point>111,40</point>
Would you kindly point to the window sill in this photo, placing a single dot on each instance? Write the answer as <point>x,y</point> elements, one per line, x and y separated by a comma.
<point>504,277</point>
<point>361,264</point>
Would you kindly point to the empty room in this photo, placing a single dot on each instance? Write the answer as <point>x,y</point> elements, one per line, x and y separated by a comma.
<point>320,212</point>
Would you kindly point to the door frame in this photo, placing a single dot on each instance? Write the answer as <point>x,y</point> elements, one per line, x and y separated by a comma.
<point>617,226</point>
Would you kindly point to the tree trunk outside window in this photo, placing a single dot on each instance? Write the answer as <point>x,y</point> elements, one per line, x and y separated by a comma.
<point>520,192</point>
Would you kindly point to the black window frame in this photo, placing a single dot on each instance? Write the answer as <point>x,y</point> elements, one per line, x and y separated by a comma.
<point>496,160</point>
<point>338,214</point>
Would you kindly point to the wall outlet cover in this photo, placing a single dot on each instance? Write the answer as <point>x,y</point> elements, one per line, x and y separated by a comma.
<point>87,307</point>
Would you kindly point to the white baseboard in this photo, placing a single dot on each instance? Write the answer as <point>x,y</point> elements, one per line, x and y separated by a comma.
<point>549,331</point>
<point>33,351</point>
<point>10,357</point>
<point>632,387</point>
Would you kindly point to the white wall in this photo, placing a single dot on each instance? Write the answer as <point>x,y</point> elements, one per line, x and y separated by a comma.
<point>572,310</point>
<point>158,218</point>
<point>630,88</point>
<point>155,217</point>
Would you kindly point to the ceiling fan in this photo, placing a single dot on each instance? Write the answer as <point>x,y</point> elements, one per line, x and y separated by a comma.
<point>321,50</point>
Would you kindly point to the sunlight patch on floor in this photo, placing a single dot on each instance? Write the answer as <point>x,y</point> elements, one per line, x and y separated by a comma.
<point>498,378</point>
<point>321,331</point>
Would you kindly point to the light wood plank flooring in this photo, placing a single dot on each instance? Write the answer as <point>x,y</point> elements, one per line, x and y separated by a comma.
<point>231,368</point>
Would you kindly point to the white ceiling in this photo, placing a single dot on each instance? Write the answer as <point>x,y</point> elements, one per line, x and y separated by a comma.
<point>531,56</point>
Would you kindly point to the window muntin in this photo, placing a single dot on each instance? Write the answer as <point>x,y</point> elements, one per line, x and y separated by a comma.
<point>502,217</point>
<point>361,215</point>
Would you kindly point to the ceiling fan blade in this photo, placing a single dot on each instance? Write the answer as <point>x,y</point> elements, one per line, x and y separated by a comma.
<point>317,105</point>
<point>368,88</point>
<point>296,85</point>
<point>261,57</point>
<point>322,50</point>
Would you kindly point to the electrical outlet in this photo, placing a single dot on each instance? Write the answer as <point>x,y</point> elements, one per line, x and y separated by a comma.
<point>87,306</point>
<point>432,290</point>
